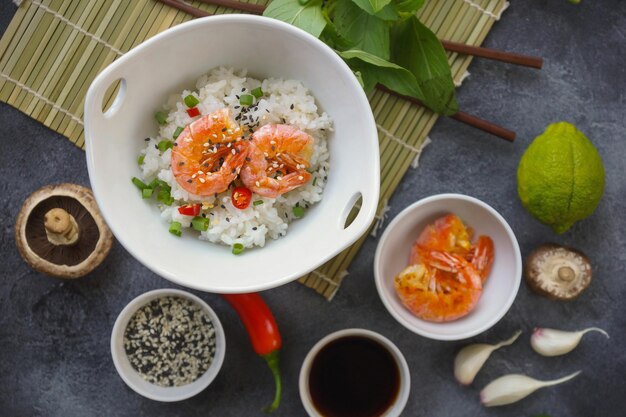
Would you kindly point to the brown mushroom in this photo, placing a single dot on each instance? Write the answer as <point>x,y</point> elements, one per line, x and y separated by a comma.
<point>59,231</point>
<point>558,272</point>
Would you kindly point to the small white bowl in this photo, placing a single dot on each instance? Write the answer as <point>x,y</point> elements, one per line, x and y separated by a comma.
<point>140,385</point>
<point>500,289</point>
<point>405,376</point>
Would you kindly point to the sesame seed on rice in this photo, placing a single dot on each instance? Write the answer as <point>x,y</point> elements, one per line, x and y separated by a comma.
<point>217,90</point>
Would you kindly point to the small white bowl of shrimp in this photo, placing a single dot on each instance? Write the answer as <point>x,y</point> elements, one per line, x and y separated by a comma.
<point>448,267</point>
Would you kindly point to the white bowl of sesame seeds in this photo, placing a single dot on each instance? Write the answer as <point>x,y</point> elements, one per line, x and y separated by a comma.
<point>167,345</point>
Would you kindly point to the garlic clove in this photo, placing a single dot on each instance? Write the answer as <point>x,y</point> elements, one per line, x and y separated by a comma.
<point>512,388</point>
<point>471,358</point>
<point>469,361</point>
<point>552,342</point>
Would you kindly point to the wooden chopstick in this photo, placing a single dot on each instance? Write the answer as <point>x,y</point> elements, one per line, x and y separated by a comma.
<point>463,117</point>
<point>496,55</point>
<point>237,5</point>
<point>184,7</point>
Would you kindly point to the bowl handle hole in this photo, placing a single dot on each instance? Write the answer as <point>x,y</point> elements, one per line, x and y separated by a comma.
<point>352,209</point>
<point>113,97</point>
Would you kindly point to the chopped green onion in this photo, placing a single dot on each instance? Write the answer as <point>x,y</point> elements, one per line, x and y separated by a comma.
<point>298,212</point>
<point>257,92</point>
<point>146,192</point>
<point>141,159</point>
<point>246,99</point>
<point>165,145</point>
<point>160,117</point>
<point>257,203</point>
<point>157,183</point>
<point>164,185</point>
<point>191,101</point>
<point>175,228</point>
<point>139,184</point>
<point>237,248</point>
<point>314,180</point>
<point>177,132</point>
<point>200,224</point>
<point>154,183</point>
<point>164,197</point>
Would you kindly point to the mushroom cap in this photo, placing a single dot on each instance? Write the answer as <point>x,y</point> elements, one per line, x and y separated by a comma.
<point>558,272</point>
<point>77,260</point>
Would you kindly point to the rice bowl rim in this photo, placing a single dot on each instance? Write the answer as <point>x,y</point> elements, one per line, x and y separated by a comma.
<point>369,205</point>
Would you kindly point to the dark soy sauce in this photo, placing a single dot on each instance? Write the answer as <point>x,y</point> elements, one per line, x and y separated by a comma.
<point>353,376</point>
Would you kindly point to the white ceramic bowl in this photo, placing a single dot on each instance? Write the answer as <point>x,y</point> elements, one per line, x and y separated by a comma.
<point>134,380</point>
<point>500,289</point>
<point>174,60</point>
<point>405,376</point>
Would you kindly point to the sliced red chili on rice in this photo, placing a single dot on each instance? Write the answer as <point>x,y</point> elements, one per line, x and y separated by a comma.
<point>241,197</point>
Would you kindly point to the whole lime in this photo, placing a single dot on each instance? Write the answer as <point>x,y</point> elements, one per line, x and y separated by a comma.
<point>560,178</point>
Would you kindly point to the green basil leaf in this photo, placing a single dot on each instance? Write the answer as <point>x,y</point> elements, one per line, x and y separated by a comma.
<point>331,37</point>
<point>375,70</point>
<point>371,6</point>
<point>307,16</point>
<point>370,75</point>
<point>417,49</point>
<point>364,31</point>
<point>408,6</point>
<point>388,13</point>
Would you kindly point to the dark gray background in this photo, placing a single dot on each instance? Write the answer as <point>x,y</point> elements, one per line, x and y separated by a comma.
<point>54,335</point>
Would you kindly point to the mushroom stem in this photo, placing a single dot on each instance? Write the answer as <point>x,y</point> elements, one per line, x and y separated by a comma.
<point>566,273</point>
<point>61,227</point>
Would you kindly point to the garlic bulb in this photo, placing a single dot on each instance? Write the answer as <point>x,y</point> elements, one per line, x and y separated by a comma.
<point>471,358</point>
<point>511,388</point>
<point>551,342</point>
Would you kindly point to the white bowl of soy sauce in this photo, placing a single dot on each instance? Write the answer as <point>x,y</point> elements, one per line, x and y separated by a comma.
<point>354,373</point>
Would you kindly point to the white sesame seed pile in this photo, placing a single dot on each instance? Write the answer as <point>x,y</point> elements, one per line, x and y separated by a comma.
<point>170,341</point>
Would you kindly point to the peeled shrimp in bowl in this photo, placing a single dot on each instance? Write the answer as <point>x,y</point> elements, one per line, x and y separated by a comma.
<point>462,292</point>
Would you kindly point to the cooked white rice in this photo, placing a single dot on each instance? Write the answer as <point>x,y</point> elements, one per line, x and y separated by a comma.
<point>284,101</point>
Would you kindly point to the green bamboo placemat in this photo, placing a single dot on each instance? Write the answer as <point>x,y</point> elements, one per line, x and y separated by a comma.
<point>53,49</point>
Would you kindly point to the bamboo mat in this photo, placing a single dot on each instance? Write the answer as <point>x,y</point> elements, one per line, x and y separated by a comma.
<point>53,49</point>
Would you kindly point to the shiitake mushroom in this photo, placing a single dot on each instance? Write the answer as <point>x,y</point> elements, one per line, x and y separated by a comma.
<point>558,272</point>
<point>59,231</point>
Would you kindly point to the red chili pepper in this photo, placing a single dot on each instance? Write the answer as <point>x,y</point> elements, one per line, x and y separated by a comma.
<point>241,197</point>
<point>263,331</point>
<point>189,210</point>
<point>193,112</point>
